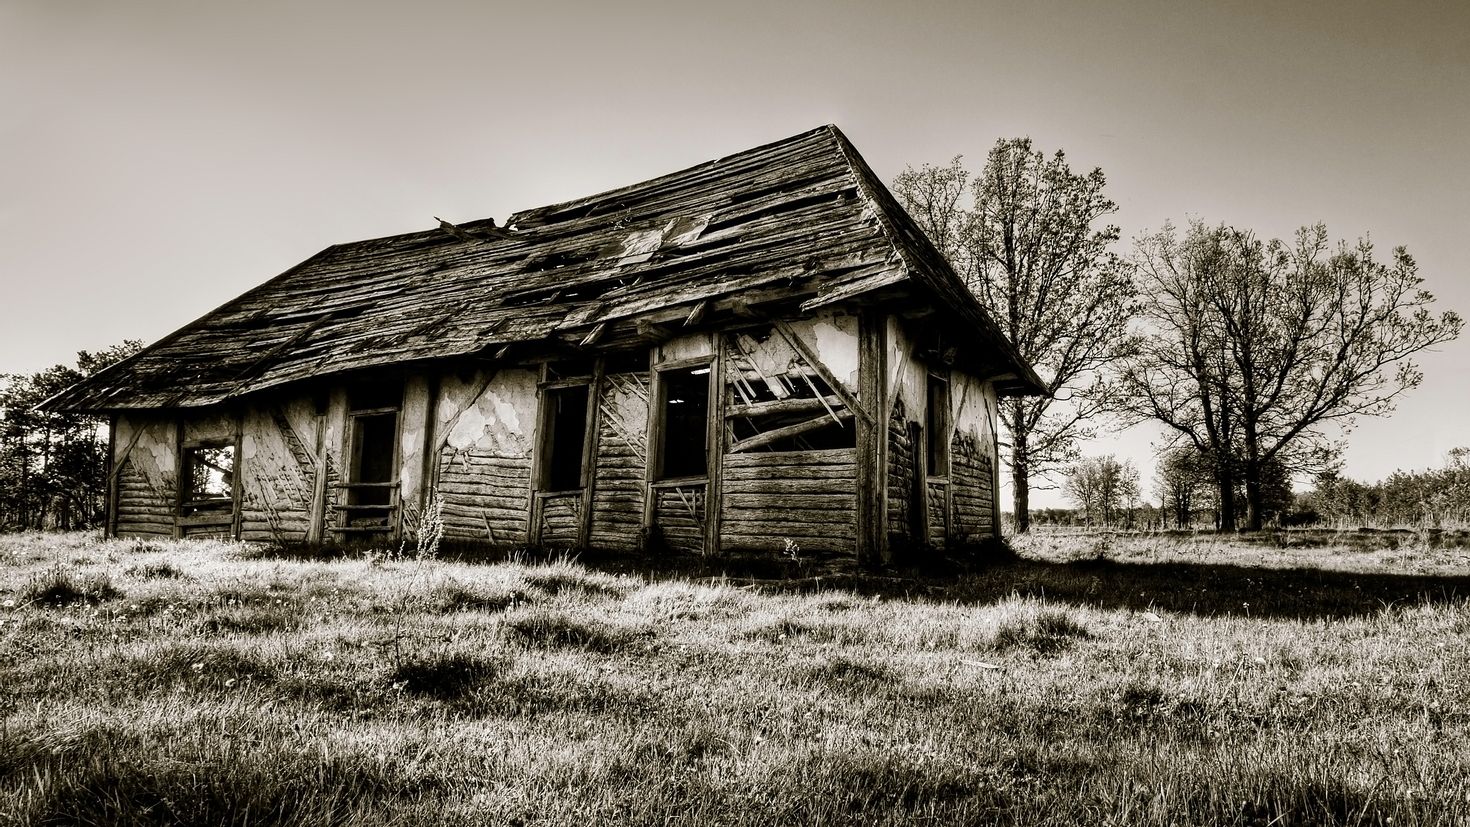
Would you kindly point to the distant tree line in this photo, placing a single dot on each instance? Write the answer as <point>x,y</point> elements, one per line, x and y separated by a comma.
<point>53,466</point>
<point>1436,498</point>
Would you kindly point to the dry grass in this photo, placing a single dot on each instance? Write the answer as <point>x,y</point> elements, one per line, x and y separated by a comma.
<point>1123,680</point>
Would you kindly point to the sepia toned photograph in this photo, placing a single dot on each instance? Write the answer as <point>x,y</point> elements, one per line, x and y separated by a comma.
<point>805,413</point>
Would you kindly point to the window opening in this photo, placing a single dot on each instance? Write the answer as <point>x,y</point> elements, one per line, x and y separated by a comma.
<point>684,404</point>
<point>778,401</point>
<point>209,478</point>
<point>936,427</point>
<point>566,435</point>
<point>371,504</point>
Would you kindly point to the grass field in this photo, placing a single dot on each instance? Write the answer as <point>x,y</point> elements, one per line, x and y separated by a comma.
<point>1138,680</point>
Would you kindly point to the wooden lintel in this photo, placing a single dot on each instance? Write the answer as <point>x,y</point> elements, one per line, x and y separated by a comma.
<point>816,364</point>
<point>593,335</point>
<point>762,440</point>
<point>653,330</point>
<point>697,313</point>
<point>791,404</point>
<point>741,308</point>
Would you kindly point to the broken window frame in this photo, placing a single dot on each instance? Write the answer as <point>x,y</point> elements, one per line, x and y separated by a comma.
<point>547,448</point>
<point>354,487</point>
<point>189,504</point>
<point>804,411</point>
<point>658,421</point>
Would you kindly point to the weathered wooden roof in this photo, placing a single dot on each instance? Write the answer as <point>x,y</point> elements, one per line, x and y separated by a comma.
<point>803,218</point>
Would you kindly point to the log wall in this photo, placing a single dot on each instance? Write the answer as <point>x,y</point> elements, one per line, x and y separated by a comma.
<point>902,467</point>
<point>279,463</point>
<point>484,423</point>
<point>972,459</point>
<point>809,497</point>
<point>679,514</point>
<point>145,460</point>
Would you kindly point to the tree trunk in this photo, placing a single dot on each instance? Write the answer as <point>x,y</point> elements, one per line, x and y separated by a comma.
<point>1253,519</point>
<point>1226,482</point>
<point>1020,472</point>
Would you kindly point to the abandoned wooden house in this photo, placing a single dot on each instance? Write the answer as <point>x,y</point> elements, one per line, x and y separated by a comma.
<point>757,349</point>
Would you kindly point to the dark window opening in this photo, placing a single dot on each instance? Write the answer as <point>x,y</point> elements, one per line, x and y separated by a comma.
<point>936,427</point>
<point>631,361</point>
<point>566,434</point>
<point>209,477</point>
<point>374,395</point>
<point>374,440</point>
<point>684,403</point>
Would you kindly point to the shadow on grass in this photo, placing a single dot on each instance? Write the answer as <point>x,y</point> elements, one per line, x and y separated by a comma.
<point>993,572</point>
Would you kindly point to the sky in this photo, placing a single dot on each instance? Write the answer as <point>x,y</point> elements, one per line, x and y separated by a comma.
<point>159,157</point>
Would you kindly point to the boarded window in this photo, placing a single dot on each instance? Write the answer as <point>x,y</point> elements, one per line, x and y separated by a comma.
<point>936,427</point>
<point>566,437</point>
<point>209,476</point>
<point>779,401</point>
<point>684,438</point>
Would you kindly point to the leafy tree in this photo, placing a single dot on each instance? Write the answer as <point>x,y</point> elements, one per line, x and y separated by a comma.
<point>1430,499</point>
<point>53,466</point>
<point>1102,487</point>
<point>1181,481</point>
<point>1026,236</point>
<point>1256,349</point>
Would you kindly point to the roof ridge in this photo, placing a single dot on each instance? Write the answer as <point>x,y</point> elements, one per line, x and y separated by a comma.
<point>521,216</point>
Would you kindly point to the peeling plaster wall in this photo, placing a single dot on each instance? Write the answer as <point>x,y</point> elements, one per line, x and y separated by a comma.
<point>413,418</point>
<point>484,426</point>
<point>279,465</point>
<point>688,346</point>
<point>906,382</point>
<point>834,339</point>
<point>972,458</point>
<point>146,460</point>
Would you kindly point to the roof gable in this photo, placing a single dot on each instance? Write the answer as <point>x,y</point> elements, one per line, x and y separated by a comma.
<point>804,216</point>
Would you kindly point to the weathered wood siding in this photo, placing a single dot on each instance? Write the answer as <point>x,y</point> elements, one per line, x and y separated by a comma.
<point>972,459</point>
<point>145,462</point>
<point>622,460</point>
<point>679,515</point>
<point>279,465</point>
<point>561,516</point>
<point>902,459</point>
<point>972,480</point>
<point>484,425</point>
<point>809,497</point>
<point>937,503</point>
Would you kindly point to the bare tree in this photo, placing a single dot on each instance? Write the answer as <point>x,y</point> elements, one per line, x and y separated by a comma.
<point>1024,235</point>
<point>1257,348</point>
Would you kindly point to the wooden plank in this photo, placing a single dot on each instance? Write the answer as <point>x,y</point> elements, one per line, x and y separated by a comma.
<point>778,434</point>
<point>778,503</point>
<point>793,404</point>
<point>811,456</point>
<point>847,486</point>
<point>872,441</point>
